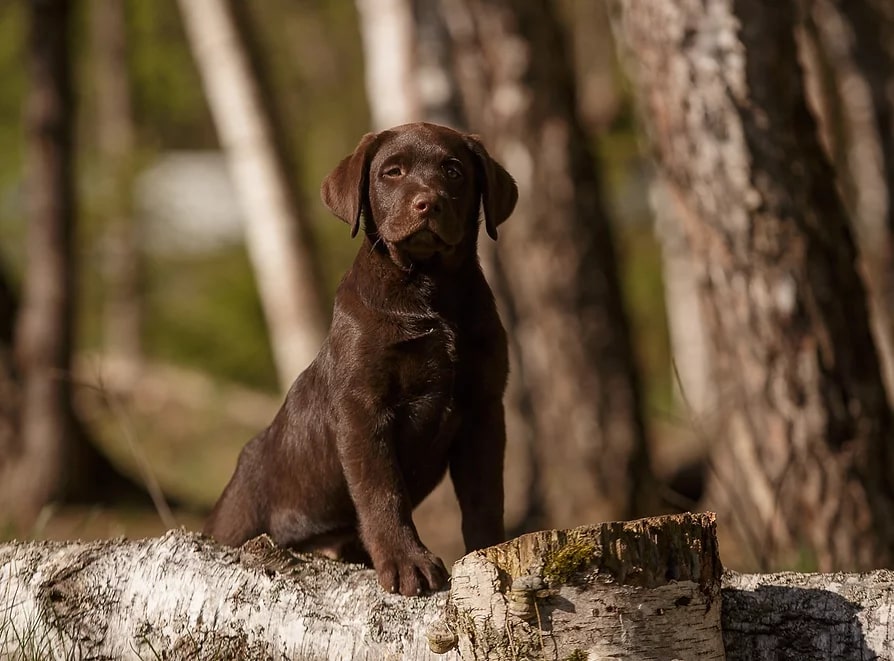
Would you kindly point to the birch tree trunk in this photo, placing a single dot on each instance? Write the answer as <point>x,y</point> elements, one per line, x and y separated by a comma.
<point>435,82</point>
<point>646,589</point>
<point>386,28</point>
<point>803,463</point>
<point>600,88</point>
<point>123,313</point>
<point>555,263</point>
<point>279,241</point>
<point>694,384</point>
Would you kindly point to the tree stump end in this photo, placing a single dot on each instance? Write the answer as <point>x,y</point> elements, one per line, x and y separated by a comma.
<point>650,586</point>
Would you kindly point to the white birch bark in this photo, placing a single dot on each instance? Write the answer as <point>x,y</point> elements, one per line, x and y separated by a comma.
<point>276,236</point>
<point>387,31</point>
<point>808,616</point>
<point>647,589</point>
<point>644,589</point>
<point>181,596</point>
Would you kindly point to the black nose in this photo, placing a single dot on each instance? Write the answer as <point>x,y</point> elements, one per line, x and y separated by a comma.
<point>426,204</point>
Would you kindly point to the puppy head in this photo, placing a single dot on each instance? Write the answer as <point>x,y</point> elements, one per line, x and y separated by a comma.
<point>420,187</point>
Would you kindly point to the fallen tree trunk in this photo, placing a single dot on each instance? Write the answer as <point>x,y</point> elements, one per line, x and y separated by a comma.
<point>181,596</point>
<point>808,616</point>
<point>647,589</point>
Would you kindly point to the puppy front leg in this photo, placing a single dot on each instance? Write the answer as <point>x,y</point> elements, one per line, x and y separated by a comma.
<point>476,469</point>
<point>384,512</point>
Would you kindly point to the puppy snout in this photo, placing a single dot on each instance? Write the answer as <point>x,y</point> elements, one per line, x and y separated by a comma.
<point>426,205</point>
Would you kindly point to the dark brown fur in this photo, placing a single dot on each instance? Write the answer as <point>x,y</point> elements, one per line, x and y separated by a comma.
<point>409,381</point>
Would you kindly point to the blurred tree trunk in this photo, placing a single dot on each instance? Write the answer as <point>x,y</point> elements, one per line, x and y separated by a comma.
<point>9,387</point>
<point>44,452</point>
<point>803,463</point>
<point>600,96</point>
<point>386,28</point>
<point>35,471</point>
<point>850,58</point>
<point>278,236</point>
<point>115,133</point>
<point>435,86</point>
<point>555,262</point>
<point>871,24</point>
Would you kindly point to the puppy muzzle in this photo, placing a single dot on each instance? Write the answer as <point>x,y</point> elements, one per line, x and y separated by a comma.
<point>425,243</point>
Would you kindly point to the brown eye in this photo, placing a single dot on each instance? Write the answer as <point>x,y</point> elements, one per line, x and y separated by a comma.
<point>453,171</point>
<point>393,171</point>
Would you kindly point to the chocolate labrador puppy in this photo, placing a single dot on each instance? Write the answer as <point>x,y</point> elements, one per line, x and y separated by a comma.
<point>409,381</point>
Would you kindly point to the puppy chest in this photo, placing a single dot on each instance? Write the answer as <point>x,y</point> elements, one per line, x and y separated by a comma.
<point>424,396</point>
<point>425,429</point>
<point>425,361</point>
<point>425,400</point>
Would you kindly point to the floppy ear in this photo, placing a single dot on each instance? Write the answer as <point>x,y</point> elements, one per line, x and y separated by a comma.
<point>344,189</point>
<point>498,190</point>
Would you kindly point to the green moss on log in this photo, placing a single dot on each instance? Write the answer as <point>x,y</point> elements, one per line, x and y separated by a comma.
<point>567,561</point>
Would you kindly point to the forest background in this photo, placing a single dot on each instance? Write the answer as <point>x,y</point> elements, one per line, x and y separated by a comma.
<point>679,340</point>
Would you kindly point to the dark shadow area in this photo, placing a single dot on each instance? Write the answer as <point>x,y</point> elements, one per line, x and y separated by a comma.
<point>791,624</point>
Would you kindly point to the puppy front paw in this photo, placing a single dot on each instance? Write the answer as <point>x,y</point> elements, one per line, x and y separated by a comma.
<point>411,572</point>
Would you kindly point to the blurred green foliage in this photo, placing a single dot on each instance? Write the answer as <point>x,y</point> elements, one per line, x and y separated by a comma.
<point>169,106</point>
<point>226,334</point>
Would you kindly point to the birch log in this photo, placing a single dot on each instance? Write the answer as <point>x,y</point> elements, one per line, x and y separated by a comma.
<point>181,596</point>
<point>648,589</point>
<point>644,589</point>
<point>808,616</point>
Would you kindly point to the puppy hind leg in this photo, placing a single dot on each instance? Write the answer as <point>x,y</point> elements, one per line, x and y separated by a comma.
<point>236,517</point>
<point>233,519</point>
